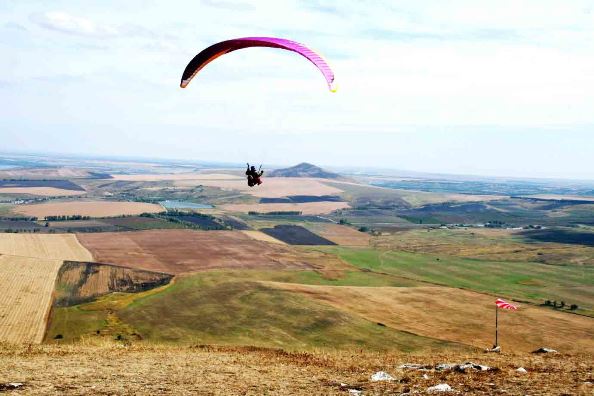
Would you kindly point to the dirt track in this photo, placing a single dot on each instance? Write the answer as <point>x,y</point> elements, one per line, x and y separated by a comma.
<point>179,251</point>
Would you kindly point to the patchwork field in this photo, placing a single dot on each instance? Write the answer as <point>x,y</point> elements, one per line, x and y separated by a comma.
<point>179,251</point>
<point>273,187</point>
<point>260,236</point>
<point>307,208</point>
<point>457,316</point>
<point>87,208</point>
<point>340,234</point>
<point>27,285</point>
<point>177,176</point>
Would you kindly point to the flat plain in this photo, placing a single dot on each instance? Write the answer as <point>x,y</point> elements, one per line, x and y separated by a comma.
<point>87,208</point>
<point>307,208</point>
<point>41,191</point>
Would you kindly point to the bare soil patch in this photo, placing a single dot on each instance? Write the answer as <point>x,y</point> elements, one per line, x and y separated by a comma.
<point>87,208</point>
<point>79,282</point>
<point>179,251</point>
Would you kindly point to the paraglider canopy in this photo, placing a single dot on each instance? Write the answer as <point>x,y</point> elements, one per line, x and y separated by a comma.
<point>214,51</point>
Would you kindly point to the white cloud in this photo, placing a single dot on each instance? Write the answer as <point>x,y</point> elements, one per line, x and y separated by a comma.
<point>71,24</point>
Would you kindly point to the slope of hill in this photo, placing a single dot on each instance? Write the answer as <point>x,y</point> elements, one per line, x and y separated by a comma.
<point>304,170</point>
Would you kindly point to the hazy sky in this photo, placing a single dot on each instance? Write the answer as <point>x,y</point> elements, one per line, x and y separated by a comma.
<point>474,87</point>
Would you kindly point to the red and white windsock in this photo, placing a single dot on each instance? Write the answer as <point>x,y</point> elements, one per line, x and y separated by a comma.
<point>505,305</point>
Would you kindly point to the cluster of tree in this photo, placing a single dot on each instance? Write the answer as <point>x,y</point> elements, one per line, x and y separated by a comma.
<point>19,218</point>
<point>495,224</point>
<point>561,305</point>
<point>67,218</point>
<point>277,213</point>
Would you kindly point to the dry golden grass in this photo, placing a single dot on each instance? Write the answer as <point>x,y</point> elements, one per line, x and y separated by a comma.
<point>44,246</point>
<point>260,236</point>
<point>121,369</point>
<point>457,315</point>
<point>308,208</point>
<point>273,187</point>
<point>41,191</point>
<point>87,208</point>
<point>27,284</point>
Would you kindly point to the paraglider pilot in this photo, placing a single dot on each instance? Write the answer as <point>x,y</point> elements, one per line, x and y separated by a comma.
<point>253,176</point>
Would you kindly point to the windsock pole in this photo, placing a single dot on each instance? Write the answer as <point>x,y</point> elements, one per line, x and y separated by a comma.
<point>496,324</point>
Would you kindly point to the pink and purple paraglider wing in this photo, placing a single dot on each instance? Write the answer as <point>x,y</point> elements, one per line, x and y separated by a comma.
<point>214,51</point>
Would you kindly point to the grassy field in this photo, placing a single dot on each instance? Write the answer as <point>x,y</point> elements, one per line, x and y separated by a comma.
<point>525,281</point>
<point>116,368</point>
<point>487,244</point>
<point>224,308</point>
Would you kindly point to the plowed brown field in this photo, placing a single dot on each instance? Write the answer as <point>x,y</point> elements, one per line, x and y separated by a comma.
<point>458,315</point>
<point>87,208</point>
<point>179,251</point>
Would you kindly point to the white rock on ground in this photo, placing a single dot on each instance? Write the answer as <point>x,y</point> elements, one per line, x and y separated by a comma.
<point>521,370</point>
<point>382,376</point>
<point>440,388</point>
<point>355,392</point>
<point>425,376</point>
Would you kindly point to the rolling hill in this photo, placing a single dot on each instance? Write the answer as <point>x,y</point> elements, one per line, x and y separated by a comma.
<point>304,169</point>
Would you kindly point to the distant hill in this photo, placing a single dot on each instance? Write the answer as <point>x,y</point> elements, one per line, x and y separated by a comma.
<point>304,170</point>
